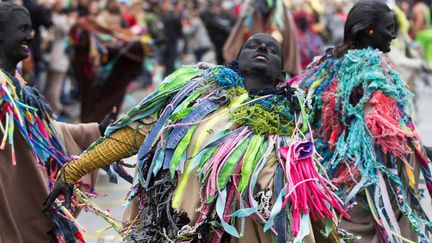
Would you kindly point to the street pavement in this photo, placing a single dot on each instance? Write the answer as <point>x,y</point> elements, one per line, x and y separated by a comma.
<point>115,193</point>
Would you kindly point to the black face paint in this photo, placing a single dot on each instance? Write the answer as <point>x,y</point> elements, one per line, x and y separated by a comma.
<point>383,32</point>
<point>16,38</point>
<point>261,54</point>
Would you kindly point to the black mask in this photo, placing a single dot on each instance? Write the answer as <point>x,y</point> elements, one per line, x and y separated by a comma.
<point>261,55</point>
<point>381,34</point>
<point>16,37</point>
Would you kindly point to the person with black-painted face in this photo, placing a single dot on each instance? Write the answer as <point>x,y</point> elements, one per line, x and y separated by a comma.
<point>379,35</point>
<point>260,62</point>
<point>216,158</point>
<point>34,146</point>
<point>365,132</point>
<point>263,16</point>
<point>16,39</point>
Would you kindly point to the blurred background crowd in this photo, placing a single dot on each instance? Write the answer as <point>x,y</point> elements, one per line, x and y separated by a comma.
<point>90,55</point>
<point>80,44</point>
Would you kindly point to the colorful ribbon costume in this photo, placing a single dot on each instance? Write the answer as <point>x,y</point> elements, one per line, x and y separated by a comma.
<point>264,129</point>
<point>23,108</point>
<point>361,115</point>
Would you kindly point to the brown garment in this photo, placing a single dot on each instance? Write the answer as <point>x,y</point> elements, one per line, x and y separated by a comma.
<point>77,138</point>
<point>362,223</point>
<point>238,37</point>
<point>98,99</point>
<point>24,186</point>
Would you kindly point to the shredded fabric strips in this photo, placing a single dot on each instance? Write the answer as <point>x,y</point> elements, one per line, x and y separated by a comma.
<point>263,129</point>
<point>23,109</point>
<point>366,136</point>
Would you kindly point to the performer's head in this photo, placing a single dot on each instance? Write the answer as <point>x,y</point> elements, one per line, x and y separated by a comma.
<point>15,35</point>
<point>369,24</point>
<point>260,62</point>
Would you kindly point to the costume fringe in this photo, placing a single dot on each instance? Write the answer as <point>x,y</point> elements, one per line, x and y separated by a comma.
<point>366,134</point>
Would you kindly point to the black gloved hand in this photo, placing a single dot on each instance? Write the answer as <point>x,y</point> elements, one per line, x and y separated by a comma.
<point>107,120</point>
<point>61,187</point>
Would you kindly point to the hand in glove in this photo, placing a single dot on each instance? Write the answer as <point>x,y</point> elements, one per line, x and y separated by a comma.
<point>61,187</point>
<point>107,120</point>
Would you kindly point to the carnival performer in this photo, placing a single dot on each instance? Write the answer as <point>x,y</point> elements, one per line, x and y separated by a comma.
<point>362,118</point>
<point>105,59</point>
<point>222,156</point>
<point>33,146</point>
<point>271,17</point>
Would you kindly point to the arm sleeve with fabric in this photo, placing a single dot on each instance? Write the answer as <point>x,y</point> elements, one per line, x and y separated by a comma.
<point>121,144</point>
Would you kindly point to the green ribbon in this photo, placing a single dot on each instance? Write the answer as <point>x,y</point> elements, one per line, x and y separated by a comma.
<point>231,163</point>
<point>249,160</point>
<point>181,148</point>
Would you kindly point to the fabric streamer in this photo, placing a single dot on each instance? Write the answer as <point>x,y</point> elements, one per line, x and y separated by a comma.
<point>25,110</point>
<point>365,134</point>
<point>260,128</point>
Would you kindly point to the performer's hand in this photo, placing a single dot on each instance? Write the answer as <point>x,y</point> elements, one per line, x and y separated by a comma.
<point>61,187</point>
<point>107,120</point>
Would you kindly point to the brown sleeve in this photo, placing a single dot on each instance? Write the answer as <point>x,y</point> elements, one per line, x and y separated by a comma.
<point>121,144</point>
<point>78,136</point>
